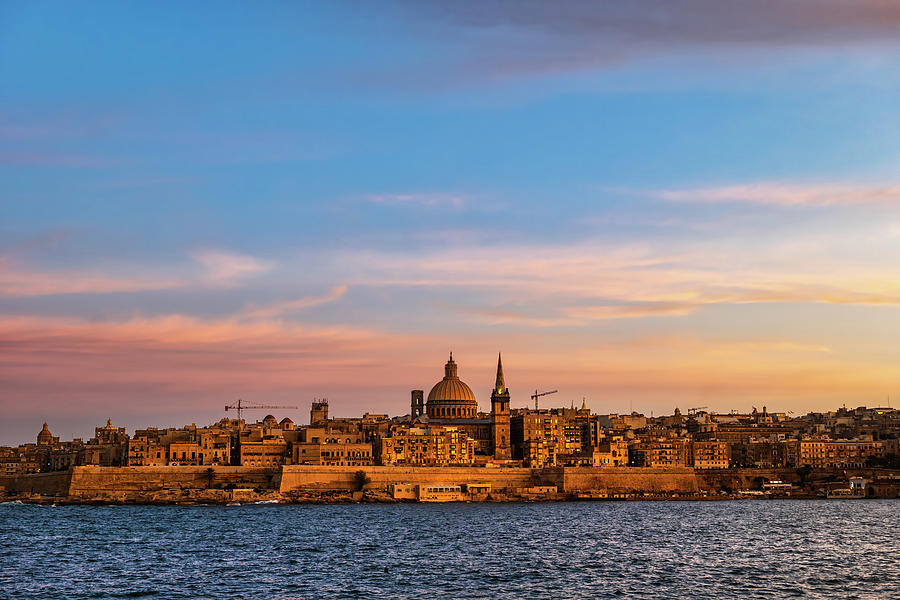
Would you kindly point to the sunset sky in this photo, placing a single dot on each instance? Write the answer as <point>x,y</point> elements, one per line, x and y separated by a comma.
<point>647,205</point>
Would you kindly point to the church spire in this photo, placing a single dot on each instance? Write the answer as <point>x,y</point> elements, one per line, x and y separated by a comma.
<point>500,386</point>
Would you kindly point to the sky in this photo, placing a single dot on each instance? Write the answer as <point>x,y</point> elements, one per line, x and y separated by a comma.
<point>643,205</point>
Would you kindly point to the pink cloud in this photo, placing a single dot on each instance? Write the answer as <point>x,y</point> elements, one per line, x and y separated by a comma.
<point>788,194</point>
<point>227,268</point>
<point>292,306</point>
<point>20,283</point>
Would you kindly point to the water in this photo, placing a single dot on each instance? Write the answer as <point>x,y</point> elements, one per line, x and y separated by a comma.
<point>742,549</point>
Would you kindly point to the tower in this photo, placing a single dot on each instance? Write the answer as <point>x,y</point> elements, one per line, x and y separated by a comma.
<point>319,412</point>
<point>500,416</point>
<point>416,404</point>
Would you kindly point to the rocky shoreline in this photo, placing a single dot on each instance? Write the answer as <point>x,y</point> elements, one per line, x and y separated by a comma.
<point>205,498</point>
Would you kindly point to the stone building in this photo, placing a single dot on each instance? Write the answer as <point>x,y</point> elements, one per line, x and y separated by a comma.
<point>432,445</point>
<point>660,449</point>
<point>322,446</point>
<point>108,447</point>
<point>709,454</point>
<point>538,437</point>
<point>823,453</point>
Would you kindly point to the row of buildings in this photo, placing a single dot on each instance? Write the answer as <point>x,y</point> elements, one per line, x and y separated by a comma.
<point>448,429</point>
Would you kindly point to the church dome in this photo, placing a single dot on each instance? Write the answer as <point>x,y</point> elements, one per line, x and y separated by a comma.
<point>451,398</point>
<point>44,438</point>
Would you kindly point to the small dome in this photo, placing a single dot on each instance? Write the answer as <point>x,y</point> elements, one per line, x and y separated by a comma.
<point>270,420</point>
<point>286,420</point>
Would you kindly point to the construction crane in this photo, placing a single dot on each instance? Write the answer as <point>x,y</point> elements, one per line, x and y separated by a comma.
<point>538,394</point>
<point>240,407</point>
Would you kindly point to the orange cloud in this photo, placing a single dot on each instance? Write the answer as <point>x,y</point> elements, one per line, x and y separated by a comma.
<point>176,359</point>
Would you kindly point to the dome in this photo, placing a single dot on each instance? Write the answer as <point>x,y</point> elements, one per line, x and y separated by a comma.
<point>286,420</point>
<point>44,437</point>
<point>453,390</point>
<point>451,398</point>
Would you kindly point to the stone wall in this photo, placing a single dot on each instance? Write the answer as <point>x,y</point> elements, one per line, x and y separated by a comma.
<point>630,479</point>
<point>46,484</point>
<point>304,477</point>
<point>142,483</point>
<point>101,481</point>
<point>567,479</point>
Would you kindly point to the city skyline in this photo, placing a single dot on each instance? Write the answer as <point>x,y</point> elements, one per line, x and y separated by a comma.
<point>645,208</point>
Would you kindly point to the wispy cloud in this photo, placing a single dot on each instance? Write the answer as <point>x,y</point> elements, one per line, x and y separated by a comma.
<point>787,194</point>
<point>425,200</point>
<point>226,268</point>
<point>220,269</point>
<point>500,40</point>
<point>16,282</point>
<point>597,281</point>
<point>280,309</point>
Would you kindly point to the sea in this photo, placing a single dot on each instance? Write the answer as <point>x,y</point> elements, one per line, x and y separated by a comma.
<point>728,549</point>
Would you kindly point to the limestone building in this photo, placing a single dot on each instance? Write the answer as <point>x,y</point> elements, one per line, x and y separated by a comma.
<point>451,403</point>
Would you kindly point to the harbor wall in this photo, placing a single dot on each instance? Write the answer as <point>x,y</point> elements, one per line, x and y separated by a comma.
<point>47,484</point>
<point>93,481</point>
<point>630,479</point>
<point>140,484</point>
<point>566,479</point>
<point>305,477</point>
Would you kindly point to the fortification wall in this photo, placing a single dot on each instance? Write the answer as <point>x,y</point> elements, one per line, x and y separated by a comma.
<point>306,477</point>
<point>567,479</point>
<point>100,481</point>
<point>47,484</point>
<point>142,483</point>
<point>628,479</point>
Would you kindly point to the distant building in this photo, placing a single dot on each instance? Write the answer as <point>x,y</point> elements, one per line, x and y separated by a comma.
<point>825,453</point>
<point>432,445</point>
<point>709,454</point>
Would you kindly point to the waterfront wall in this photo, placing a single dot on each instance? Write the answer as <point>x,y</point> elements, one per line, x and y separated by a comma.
<point>47,484</point>
<point>303,477</point>
<point>630,479</point>
<point>165,483</point>
<point>132,482</point>
<point>567,479</point>
<point>92,481</point>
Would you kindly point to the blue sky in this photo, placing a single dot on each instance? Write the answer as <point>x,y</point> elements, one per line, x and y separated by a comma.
<point>645,205</point>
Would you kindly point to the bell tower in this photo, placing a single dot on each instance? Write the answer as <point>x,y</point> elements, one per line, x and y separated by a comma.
<point>417,404</point>
<point>500,416</point>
